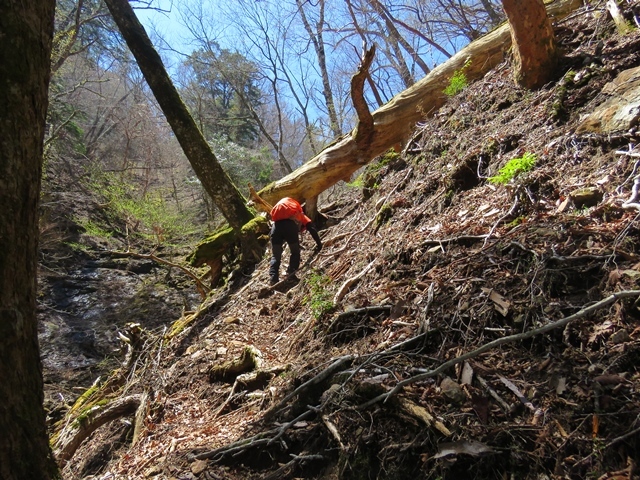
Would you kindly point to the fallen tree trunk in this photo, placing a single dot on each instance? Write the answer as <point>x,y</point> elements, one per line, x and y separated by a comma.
<point>394,122</point>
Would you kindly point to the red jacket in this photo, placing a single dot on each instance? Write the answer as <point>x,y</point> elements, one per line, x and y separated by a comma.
<point>289,208</point>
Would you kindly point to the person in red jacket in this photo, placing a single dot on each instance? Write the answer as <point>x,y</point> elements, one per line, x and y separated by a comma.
<point>288,219</point>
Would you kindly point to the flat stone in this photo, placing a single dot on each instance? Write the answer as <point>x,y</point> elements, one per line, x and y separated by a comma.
<point>621,110</point>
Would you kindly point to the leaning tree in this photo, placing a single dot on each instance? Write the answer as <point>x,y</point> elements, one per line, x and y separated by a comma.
<point>214,179</point>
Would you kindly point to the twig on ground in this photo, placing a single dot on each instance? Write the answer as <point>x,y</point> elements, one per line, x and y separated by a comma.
<point>333,430</point>
<point>608,445</point>
<point>500,220</point>
<point>285,469</point>
<point>501,341</point>
<point>336,366</point>
<point>537,413</point>
<point>261,439</point>
<point>505,406</point>
<point>349,282</point>
<point>632,202</point>
<point>447,241</point>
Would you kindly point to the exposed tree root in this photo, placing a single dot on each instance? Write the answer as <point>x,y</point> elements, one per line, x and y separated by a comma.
<point>80,429</point>
<point>501,341</point>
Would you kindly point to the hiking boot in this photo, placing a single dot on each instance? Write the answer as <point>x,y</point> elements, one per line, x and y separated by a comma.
<point>273,280</point>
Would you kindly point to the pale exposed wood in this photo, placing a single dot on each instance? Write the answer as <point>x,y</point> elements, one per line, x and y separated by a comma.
<point>394,122</point>
<point>364,130</point>
<point>257,201</point>
<point>621,24</point>
<point>421,413</point>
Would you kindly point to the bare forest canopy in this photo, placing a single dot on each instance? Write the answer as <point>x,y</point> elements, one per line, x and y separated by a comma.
<point>393,123</point>
<point>267,97</point>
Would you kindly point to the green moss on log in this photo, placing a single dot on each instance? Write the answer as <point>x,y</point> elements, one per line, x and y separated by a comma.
<point>258,227</point>
<point>213,247</point>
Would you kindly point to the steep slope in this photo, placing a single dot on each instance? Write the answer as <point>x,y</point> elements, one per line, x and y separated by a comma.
<point>424,261</point>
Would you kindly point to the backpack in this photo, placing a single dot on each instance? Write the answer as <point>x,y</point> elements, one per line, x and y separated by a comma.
<point>289,208</point>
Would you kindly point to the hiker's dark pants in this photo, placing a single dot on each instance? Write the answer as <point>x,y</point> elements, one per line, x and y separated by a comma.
<point>284,231</point>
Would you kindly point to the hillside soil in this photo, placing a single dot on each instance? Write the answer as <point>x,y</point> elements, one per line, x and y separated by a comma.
<point>424,260</point>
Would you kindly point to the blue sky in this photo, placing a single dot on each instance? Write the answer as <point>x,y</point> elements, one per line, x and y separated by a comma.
<point>164,20</point>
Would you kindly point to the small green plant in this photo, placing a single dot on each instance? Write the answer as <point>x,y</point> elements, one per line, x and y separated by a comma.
<point>384,215</point>
<point>513,168</point>
<point>357,182</point>
<point>78,247</point>
<point>94,230</point>
<point>516,221</point>
<point>458,81</point>
<point>319,299</point>
<point>147,215</point>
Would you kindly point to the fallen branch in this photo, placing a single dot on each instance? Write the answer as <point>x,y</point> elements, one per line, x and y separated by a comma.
<point>632,202</point>
<point>447,241</point>
<point>270,437</point>
<point>501,341</point>
<point>202,289</point>
<point>502,218</point>
<point>505,406</point>
<point>395,121</point>
<point>373,309</point>
<point>288,467</point>
<point>537,412</point>
<point>421,413</point>
<point>348,283</point>
<point>259,440</point>
<point>336,366</point>
<point>613,442</point>
<point>257,201</point>
<point>333,430</point>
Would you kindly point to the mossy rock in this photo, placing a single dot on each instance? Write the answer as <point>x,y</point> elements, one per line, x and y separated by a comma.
<point>586,197</point>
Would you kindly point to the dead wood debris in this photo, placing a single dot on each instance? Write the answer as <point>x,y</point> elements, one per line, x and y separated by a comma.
<point>544,298</point>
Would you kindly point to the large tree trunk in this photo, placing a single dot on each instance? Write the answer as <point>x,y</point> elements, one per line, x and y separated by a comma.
<point>25,48</point>
<point>394,122</point>
<point>214,179</point>
<point>535,53</point>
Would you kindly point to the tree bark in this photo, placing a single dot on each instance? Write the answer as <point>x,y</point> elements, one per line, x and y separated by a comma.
<point>25,56</point>
<point>534,46</point>
<point>394,122</point>
<point>214,179</point>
